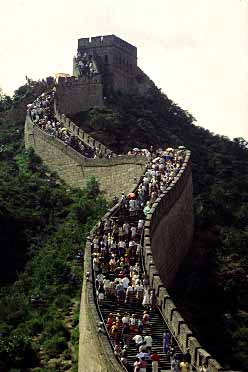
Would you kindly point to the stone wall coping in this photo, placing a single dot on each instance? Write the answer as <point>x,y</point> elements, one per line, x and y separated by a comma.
<point>83,161</point>
<point>79,132</point>
<point>162,206</point>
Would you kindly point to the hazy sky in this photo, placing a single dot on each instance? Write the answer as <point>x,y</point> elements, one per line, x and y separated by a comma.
<point>195,50</point>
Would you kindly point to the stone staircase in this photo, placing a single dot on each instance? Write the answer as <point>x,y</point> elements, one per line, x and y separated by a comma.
<point>157,328</point>
<point>157,324</point>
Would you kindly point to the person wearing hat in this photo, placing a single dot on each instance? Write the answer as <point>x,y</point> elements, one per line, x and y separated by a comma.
<point>146,319</point>
<point>114,331</point>
<point>110,321</point>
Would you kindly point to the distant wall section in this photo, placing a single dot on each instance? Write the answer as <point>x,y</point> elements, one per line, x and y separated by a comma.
<point>115,175</point>
<point>79,94</point>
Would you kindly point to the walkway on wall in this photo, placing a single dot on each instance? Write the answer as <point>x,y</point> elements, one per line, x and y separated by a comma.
<point>112,262</point>
<point>42,114</point>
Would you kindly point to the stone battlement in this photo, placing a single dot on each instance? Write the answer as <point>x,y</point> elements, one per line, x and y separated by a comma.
<point>70,81</point>
<point>107,41</point>
<point>114,175</point>
<point>81,93</point>
<point>78,132</point>
<point>167,236</point>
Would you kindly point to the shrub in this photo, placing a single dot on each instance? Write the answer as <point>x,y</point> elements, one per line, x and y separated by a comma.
<point>55,345</point>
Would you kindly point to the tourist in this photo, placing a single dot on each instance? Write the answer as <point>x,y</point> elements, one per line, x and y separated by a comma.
<point>153,299</point>
<point>146,298</point>
<point>166,341</point>
<point>148,342</point>
<point>155,361</point>
<point>184,366</point>
<point>143,364</point>
<point>174,364</point>
<point>138,339</point>
<point>146,319</point>
<point>137,365</point>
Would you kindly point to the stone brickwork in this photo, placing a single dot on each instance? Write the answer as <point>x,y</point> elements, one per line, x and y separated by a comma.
<point>167,237</point>
<point>117,70</point>
<point>116,59</point>
<point>172,226</point>
<point>79,94</point>
<point>115,175</point>
<point>78,132</point>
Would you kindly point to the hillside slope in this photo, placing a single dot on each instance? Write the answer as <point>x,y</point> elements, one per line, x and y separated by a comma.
<point>43,228</point>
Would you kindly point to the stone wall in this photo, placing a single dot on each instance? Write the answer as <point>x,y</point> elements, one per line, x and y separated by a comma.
<point>115,175</point>
<point>95,351</point>
<point>78,132</point>
<point>167,236</point>
<point>79,94</point>
<point>171,225</point>
<point>116,58</point>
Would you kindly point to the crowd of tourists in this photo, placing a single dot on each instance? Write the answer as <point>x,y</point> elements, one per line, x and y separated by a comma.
<point>152,152</point>
<point>118,271</point>
<point>41,112</point>
<point>86,64</point>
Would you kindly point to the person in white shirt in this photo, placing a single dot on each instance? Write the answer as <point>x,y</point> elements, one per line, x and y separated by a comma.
<point>138,339</point>
<point>148,342</point>
<point>126,229</point>
<point>139,291</point>
<point>125,282</point>
<point>106,286</point>
<point>125,319</point>
<point>133,232</point>
<point>140,225</point>
<point>129,294</point>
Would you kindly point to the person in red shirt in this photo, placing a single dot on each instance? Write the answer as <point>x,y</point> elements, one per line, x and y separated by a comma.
<point>155,359</point>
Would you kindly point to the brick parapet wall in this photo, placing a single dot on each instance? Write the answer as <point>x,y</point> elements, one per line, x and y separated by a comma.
<point>95,351</point>
<point>115,175</point>
<point>164,252</point>
<point>91,341</point>
<point>77,94</point>
<point>78,132</point>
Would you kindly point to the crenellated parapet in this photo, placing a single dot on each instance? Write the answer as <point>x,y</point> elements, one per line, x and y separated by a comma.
<point>81,93</point>
<point>168,235</point>
<point>80,133</point>
<point>115,175</point>
<point>169,226</point>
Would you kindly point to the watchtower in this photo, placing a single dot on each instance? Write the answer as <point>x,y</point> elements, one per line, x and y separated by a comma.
<point>116,60</point>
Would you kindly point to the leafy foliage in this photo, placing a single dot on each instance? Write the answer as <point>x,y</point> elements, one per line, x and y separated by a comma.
<point>43,227</point>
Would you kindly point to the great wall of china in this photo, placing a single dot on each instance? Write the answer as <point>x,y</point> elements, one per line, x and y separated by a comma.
<point>166,238</point>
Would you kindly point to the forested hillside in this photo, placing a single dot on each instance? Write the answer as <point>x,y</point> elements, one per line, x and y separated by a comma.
<point>211,289</point>
<point>43,224</point>
<point>43,227</point>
